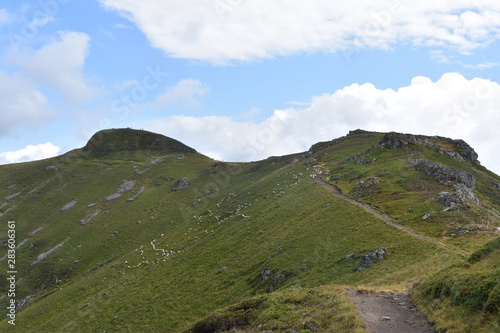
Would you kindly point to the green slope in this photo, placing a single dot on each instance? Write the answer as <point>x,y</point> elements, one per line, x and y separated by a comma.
<point>175,253</point>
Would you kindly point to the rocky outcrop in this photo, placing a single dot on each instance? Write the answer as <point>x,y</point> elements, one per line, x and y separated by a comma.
<point>393,140</point>
<point>48,253</point>
<point>68,206</point>
<point>461,195</point>
<point>364,161</point>
<point>366,187</point>
<point>465,150</point>
<point>89,216</point>
<point>181,183</point>
<point>266,274</point>
<point>280,277</point>
<point>125,187</point>
<point>372,257</point>
<point>137,194</point>
<point>463,183</point>
<point>13,196</point>
<point>443,174</point>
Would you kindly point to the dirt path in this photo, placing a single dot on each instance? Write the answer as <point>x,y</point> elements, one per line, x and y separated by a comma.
<point>389,313</point>
<point>381,215</point>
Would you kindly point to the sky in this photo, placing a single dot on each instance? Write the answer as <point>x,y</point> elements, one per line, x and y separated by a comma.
<point>242,80</point>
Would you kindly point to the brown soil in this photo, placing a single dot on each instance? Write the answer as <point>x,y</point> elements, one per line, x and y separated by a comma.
<point>389,312</point>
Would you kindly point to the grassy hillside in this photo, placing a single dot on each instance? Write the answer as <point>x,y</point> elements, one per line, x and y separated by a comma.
<point>465,297</point>
<point>137,232</point>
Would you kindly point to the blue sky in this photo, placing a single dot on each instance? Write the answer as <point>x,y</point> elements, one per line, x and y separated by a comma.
<point>241,80</point>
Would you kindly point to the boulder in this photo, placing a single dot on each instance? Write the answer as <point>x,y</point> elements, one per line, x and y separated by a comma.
<point>181,183</point>
<point>372,257</point>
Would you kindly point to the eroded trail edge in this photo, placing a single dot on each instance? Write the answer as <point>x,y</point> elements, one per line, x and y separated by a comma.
<point>380,214</point>
<point>389,312</point>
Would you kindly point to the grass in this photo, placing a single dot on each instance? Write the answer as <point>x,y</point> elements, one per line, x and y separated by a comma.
<point>233,221</point>
<point>465,297</point>
<point>323,309</point>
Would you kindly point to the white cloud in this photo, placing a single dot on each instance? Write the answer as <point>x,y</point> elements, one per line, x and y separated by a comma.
<point>441,57</point>
<point>30,153</point>
<point>21,104</point>
<point>60,63</point>
<point>121,26</point>
<point>186,93</point>
<point>452,106</point>
<point>5,16</point>
<point>223,30</point>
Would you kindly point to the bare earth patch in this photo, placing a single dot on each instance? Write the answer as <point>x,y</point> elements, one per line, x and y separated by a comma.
<point>389,312</point>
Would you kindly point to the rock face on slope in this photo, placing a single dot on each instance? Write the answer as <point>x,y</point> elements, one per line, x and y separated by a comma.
<point>117,140</point>
<point>462,150</point>
<point>465,150</point>
<point>444,174</point>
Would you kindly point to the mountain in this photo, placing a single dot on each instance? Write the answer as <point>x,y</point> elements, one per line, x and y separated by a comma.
<point>137,232</point>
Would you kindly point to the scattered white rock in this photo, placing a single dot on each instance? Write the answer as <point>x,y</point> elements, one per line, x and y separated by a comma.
<point>35,231</point>
<point>137,194</point>
<point>48,253</point>
<point>13,196</point>
<point>89,216</point>
<point>125,187</point>
<point>68,206</point>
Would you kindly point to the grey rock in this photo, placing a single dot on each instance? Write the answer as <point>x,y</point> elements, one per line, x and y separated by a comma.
<point>22,302</point>
<point>125,187</point>
<point>426,216</point>
<point>364,161</point>
<point>181,183</point>
<point>363,185</point>
<point>13,196</point>
<point>372,257</point>
<point>465,150</point>
<point>444,174</point>
<point>266,274</point>
<point>68,206</point>
<point>280,277</point>
<point>89,216</point>
<point>349,256</point>
<point>392,141</point>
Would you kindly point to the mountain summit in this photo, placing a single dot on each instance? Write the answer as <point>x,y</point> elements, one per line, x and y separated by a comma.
<point>126,139</point>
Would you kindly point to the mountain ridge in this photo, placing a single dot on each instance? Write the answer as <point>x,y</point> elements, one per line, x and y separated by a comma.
<point>182,236</point>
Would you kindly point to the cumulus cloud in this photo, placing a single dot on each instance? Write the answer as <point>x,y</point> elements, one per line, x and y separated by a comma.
<point>453,106</point>
<point>186,93</point>
<point>21,104</point>
<point>30,153</point>
<point>60,63</point>
<point>223,30</point>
